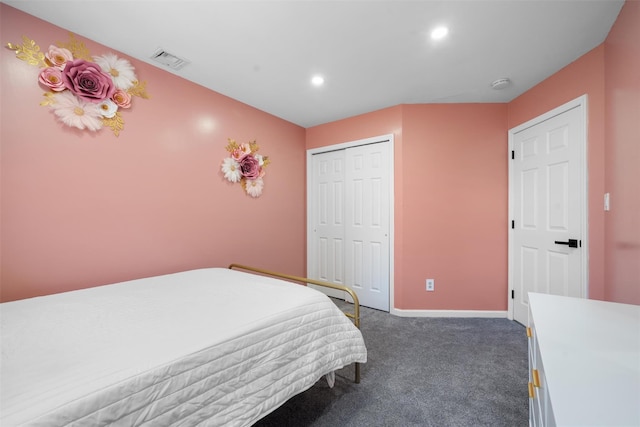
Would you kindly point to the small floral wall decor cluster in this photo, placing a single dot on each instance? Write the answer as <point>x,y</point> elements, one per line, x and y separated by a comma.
<point>246,166</point>
<point>84,91</point>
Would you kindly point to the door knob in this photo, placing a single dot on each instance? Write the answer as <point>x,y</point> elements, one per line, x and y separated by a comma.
<point>572,243</point>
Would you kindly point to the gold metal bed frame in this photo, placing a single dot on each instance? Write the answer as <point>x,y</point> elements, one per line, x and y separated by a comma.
<point>354,316</point>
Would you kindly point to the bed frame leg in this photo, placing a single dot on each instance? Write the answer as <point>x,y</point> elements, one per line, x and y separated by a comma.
<point>357,373</point>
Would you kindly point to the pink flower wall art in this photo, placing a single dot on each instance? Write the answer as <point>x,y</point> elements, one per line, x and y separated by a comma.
<point>83,91</point>
<point>246,166</point>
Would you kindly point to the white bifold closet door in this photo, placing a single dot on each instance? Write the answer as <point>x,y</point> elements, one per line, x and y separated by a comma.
<point>350,220</point>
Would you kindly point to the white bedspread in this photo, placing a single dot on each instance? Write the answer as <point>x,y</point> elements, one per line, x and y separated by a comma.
<point>209,346</point>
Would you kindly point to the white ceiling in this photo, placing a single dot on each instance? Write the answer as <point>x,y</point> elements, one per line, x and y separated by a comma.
<point>373,54</point>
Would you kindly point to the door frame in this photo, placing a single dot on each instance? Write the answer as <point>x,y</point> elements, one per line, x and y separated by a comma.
<point>581,103</point>
<point>311,213</point>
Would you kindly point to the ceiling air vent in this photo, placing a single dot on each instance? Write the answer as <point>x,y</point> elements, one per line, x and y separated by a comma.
<point>168,59</point>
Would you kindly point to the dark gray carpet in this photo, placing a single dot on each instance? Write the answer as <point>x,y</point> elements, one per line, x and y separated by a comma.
<point>423,372</point>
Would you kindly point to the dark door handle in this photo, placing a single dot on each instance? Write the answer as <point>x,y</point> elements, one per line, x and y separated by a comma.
<point>572,243</point>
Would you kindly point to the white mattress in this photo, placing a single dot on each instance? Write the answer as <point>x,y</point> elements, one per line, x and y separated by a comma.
<point>209,346</point>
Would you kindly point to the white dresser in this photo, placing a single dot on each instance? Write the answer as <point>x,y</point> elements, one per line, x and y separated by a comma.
<point>584,362</point>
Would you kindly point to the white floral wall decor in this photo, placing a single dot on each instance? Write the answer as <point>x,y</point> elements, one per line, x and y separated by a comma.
<point>83,91</point>
<point>246,166</point>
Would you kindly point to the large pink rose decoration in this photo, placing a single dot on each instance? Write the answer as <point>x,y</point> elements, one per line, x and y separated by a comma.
<point>250,167</point>
<point>87,81</point>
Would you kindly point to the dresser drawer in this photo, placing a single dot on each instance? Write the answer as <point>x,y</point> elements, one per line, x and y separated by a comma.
<point>540,411</point>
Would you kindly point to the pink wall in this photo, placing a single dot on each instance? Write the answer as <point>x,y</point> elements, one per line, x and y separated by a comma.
<point>455,208</point>
<point>444,175</point>
<point>622,157</point>
<point>433,239</point>
<point>81,209</point>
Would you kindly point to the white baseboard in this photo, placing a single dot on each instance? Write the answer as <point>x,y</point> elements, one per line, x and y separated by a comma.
<point>449,313</point>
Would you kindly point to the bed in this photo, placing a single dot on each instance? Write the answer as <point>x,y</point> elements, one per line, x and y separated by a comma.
<point>213,346</point>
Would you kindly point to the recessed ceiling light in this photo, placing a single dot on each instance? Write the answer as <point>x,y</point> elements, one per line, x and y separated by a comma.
<point>317,80</point>
<point>439,33</point>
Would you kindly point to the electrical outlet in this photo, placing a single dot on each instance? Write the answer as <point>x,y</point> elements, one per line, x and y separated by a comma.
<point>431,284</point>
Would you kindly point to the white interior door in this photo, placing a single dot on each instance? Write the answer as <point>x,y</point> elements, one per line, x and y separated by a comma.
<point>547,244</point>
<point>350,207</point>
